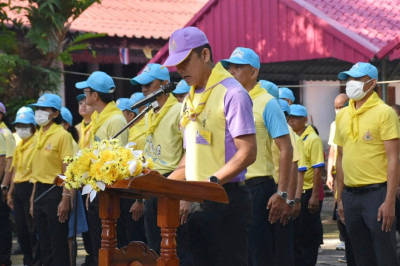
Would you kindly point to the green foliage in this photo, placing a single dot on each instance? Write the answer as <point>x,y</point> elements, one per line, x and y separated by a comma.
<point>29,55</point>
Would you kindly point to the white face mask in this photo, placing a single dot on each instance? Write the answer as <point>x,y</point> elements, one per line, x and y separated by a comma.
<point>354,89</point>
<point>24,133</point>
<point>42,117</point>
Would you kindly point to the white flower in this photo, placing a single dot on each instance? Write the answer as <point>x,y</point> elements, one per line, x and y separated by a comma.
<point>132,166</point>
<point>101,185</point>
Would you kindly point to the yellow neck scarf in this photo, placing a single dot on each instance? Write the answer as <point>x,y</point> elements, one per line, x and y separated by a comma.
<point>372,101</point>
<point>139,133</point>
<point>85,135</point>
<point>154,119</point>
<point>17,159</point>
<point>41,139</point>
<point>257,91</point>
<point>190,113</point>
<point>110,110</point>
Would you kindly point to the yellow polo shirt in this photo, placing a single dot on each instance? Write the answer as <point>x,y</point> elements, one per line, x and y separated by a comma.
<point>21,172</point>
<point>48,161</point>
<point>364,160</point>
<point>313,155</point>
<point>3,145</point>
<point>10,140</point>
<point>276,153</point>
<point>133,131</point>
<point>165,145</point>
<point>111,127</point>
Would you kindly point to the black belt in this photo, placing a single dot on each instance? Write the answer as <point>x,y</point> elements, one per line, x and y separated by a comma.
<point>365,189</point>
<point>233,185</point>
<point>256,180</point>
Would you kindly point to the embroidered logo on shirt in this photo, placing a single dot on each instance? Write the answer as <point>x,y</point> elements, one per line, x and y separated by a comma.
<point>49,147</point>
<point>237,53</point>
<point>368,136</point>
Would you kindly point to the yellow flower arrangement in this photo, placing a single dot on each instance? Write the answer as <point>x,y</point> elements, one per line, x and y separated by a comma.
<point>103,164</point>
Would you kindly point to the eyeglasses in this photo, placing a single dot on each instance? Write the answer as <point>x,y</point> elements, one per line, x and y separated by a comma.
<point>87,90</point>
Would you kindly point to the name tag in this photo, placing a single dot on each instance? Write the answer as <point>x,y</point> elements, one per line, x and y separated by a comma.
<point>203,137</point>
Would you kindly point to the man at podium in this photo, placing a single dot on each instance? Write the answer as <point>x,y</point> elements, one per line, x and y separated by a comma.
<point>219,137</point>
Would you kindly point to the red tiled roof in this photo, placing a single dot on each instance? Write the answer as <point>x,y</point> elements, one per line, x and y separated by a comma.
<point>372,23</point>
<point>135,18</point>
<point>295,30</point>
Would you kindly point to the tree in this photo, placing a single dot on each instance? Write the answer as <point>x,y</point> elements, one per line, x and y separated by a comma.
<point>30,54</point>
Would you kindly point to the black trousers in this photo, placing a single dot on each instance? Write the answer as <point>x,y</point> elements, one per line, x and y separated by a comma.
<point>53,235</point>
<point>307,233</point>
<point>261,242</point>
<point>370,245</point>
<point>219,232</point>
<point>25,227</point>
<point>129,230</point>
<point>5,232</point>
<point>343,236</point>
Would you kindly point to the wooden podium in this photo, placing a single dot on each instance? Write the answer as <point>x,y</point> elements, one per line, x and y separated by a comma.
<point>169,193</point>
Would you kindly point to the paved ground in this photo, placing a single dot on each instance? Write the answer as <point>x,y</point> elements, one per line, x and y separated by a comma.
<point>329,255</point>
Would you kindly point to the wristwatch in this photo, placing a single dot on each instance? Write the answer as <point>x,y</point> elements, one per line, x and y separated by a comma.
<point>214,179</point>
<point>290,202</point>
<point>281,194</point>
<point>4,187</point>
<point>297,200</point>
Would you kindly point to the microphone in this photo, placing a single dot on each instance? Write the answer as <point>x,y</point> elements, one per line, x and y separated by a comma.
<point>169,87</point>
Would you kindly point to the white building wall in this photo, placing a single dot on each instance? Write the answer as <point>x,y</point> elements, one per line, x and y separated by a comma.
<point>319,103</point>
<point>397,89</point>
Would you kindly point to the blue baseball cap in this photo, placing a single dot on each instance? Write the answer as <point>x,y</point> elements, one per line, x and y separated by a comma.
<point>98,81</point>
<point>80,97</point>
<point>286,93</point>
<point>181,88</point>
<point>242,56</point>
<point>298,110</point>
<point>271,87</point>
<point>150,73</point>
<point>25,115</point>
<point>284,106</point>
<point>66,115</point>
<point>48,100</point>
<point>125,104</point>
<point>137,96</point>
<point>358,70</point>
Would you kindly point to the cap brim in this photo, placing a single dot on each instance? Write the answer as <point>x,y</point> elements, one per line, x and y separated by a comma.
<point>351,73</point>
<point>81,85</point>
<point>42,105</point>
<point>235,60</point>
<point>176,58</point>
<point>142,79</point>
<point>179,91</point>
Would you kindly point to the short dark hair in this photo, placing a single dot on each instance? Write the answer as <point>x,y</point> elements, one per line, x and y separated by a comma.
<point>199,49</point>
<point>58,120</point>
<point>105,97</point>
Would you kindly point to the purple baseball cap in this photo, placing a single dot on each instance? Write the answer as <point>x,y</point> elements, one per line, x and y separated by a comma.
<point>182,42</point>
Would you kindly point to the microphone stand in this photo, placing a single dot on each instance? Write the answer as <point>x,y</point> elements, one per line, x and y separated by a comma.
<point>153,105</point>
